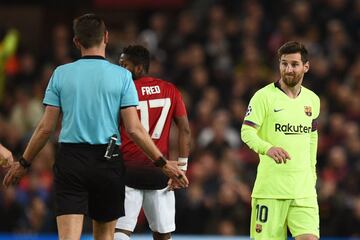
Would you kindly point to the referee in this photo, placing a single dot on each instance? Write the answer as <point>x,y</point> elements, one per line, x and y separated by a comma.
<point>90,94</point>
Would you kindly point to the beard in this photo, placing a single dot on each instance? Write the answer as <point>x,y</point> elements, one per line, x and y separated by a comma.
<point>291,80</point>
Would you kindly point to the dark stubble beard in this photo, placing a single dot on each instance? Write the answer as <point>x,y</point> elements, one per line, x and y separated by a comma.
<point>291,80</point>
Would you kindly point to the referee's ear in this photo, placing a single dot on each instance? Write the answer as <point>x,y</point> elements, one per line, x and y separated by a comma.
<point>106,37</point>
<point>77,43</point>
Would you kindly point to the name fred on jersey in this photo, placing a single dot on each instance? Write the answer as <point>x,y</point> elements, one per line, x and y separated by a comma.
<point>150,90</point>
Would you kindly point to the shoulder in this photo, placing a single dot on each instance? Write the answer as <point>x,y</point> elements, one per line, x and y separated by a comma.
<point>63,70</point>
<point>65,67</point>
<point>310,94</point>
<point>117,69</point>
<point>171,89</point>
<point>155,81</point>
<point>168,84</point>
<point>266,92</point>
<point>314,101</point>
<point>268,88</point>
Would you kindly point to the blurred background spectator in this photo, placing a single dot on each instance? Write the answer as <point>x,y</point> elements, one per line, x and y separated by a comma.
<point>218,53</point>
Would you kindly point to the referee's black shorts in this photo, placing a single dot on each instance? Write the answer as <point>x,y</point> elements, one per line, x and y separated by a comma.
<point>86,183</point>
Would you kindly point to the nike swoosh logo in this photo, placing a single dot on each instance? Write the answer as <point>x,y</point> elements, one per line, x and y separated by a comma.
<point>278,110</point>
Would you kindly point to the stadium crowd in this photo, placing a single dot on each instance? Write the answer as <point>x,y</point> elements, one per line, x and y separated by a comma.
<point>218,53</point>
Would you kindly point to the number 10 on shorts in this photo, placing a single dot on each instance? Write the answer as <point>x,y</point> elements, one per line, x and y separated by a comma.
<point>261,213</point>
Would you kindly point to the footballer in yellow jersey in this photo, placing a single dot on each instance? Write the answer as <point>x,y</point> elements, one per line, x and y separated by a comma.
<point>280,125</point>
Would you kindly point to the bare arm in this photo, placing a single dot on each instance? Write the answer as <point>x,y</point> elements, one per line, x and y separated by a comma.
<point>184,136</point>
<point>39,138</point>
<point>184,142</point>
<point>42,132</point>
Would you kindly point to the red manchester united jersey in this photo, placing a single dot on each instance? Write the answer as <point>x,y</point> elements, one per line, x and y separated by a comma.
<point>159,103</point>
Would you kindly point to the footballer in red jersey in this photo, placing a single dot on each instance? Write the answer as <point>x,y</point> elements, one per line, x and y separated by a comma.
<point>160,103</point>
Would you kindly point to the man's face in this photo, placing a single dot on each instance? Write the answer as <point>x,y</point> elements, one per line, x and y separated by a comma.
<point>126,63</point>
<point>292,69</point>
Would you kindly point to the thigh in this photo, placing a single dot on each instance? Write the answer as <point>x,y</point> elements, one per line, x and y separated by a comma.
<point>106,194</point>
<point>268,219</point>
<point>133,204</point>
<point>69,226</point>
<point>71,194</point>
<point>159,208</point>
<point>303,217</point>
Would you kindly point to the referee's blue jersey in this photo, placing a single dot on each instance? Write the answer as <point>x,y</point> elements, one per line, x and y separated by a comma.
<point>90,92</point>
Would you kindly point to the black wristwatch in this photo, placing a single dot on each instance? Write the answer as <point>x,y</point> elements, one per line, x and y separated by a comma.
<point>160,162</point>
<point>25,164</point>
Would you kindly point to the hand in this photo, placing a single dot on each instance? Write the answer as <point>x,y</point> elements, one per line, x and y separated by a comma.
<point>278,154</point>
<point>15,173</point>
<point>172,170</point>
<point>173,185</point>
<point>6,157</point>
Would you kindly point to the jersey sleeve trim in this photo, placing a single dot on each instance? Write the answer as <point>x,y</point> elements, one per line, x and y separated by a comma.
<point>123,107</point>
<point>314,125</point>
<point>251,124</point>
<point>51,105</point>
<point>48,103</point>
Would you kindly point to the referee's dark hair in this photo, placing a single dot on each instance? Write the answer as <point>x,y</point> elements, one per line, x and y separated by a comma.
<point>294,47</point>
<point>89,30</point>
<point>138,55</point>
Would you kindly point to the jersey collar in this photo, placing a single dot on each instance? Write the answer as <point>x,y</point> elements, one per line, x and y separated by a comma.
<point>93,57</point>
<point>277,85</point>
<point>144,78</point>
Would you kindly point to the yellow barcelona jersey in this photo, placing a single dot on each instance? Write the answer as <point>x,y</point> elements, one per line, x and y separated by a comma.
<point>274,119</point>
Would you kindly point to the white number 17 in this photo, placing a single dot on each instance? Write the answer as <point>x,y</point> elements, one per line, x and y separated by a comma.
<point>143,106</point>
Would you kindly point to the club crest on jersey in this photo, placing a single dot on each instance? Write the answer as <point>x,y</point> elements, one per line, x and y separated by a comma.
<point>308,111</point>
<point>248,111</point>
<point>258,228</point>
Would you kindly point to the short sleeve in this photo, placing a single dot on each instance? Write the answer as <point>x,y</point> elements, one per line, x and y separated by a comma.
<point>52,93</point>
<point>129,96</point>
<point>180,109</point>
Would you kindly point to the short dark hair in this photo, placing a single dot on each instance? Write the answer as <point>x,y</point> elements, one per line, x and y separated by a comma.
<point>138,55</point>
<point>294,47</point>
<point>89,29</point>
